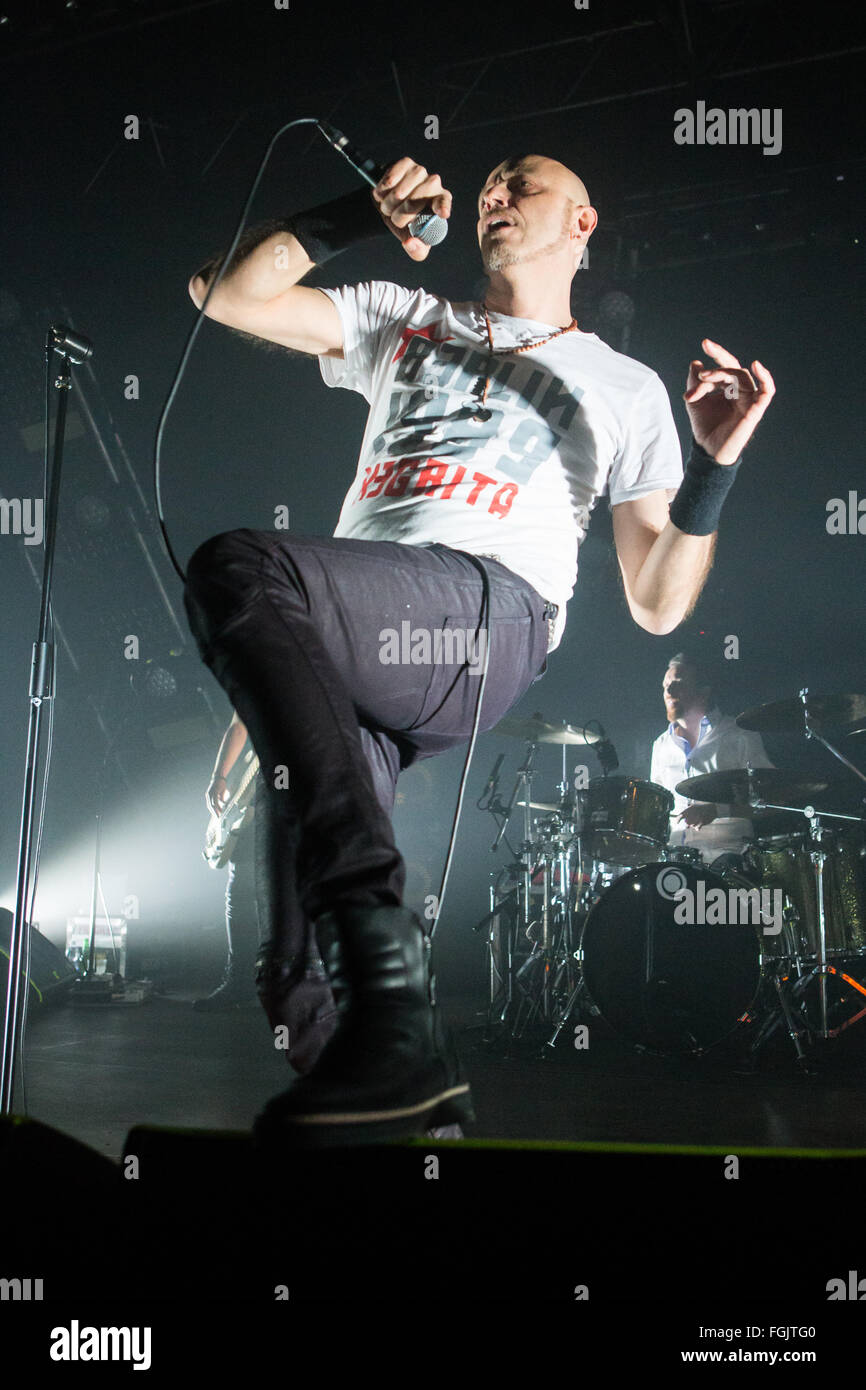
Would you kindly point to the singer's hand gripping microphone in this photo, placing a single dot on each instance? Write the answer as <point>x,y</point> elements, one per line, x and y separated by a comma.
<point>427,226</point>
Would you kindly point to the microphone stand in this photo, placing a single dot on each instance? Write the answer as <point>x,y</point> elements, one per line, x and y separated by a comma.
<point>72,349</point>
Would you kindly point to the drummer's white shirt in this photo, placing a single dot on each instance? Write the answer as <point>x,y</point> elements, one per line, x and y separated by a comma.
<point>722,745</point>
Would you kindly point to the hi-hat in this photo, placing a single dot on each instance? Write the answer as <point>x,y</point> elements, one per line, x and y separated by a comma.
<point>537,730</point>
<point>786,716</point>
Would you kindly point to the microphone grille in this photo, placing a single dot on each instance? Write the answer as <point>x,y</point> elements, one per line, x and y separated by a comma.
<point>429,228</point>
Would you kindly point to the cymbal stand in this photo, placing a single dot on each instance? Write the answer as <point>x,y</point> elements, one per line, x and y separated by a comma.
<point>783,1014</point>
<point>573,973</point>
<point>559,962</point>
<point>500,926</point>
<point>817,854</point>
<point>523,783</point>
<point>811,732</point>
<point>510,912</point>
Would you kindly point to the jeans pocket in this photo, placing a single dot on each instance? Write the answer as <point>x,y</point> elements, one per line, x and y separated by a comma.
<point>454,654</point>
<point>502,660</point>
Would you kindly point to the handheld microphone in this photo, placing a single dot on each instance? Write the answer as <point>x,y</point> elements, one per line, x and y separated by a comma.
<point>427,226</point>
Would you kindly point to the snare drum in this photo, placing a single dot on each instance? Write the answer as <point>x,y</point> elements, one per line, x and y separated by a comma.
<point>625,819</point>
<point>667,986</point>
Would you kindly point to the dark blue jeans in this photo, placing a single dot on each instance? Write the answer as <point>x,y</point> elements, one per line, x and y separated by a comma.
<point>306,636</point>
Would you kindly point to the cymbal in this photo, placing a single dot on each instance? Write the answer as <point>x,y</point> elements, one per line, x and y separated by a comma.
<point>786,716</point>
<point>547,806</point>
<point>537,730</point>
<point>735,784</point>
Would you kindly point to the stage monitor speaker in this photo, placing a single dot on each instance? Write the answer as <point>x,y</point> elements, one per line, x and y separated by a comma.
<point>51,975</point>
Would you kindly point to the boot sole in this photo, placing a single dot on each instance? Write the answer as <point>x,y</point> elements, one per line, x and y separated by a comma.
<point>453,1106</point>
<point>448,1107</point>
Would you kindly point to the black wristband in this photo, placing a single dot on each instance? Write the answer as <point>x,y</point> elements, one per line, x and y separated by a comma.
<point>698,504</point>
<point>333,227</point>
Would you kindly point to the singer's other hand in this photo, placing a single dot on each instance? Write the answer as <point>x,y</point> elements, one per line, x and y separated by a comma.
<point>405,191</point>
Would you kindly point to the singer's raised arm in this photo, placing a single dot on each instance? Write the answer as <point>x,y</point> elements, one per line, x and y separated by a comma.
<point>260,292</point>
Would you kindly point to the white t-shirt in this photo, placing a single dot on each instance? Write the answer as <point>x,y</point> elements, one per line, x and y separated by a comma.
<point>566,420</point>
<point>722,746</point>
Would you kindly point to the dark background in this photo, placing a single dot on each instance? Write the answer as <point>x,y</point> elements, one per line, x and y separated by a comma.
<point>762,253</point>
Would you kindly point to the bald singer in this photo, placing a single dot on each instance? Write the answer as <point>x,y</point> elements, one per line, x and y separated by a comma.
<point>493,428</point>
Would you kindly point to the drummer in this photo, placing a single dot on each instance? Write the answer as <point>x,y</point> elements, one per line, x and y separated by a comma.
<point>699,739</point>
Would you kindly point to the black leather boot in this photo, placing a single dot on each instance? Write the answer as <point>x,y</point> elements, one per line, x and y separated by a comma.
<point>236,989</point>
<point>390,1070</point>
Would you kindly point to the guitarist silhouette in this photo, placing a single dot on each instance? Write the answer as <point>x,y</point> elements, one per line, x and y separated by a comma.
<point>230,840</point>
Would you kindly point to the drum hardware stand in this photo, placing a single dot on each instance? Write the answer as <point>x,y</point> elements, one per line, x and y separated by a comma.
<point>523,782</point>
<point>501,977</point>
<point>786,715</point>
<point>572,853</point>
<point>793,1031</point>
<point>797,990</point>
<point>817,854</point>
<point>812,732</point>
<point>783,1012</point>
<point>551,962</point>
<point>572,1003</point>
<point>502,998</point>
<point>855,1018</point>
<point>570,956</point>
<point>561,957</point>
<point>555,966</point>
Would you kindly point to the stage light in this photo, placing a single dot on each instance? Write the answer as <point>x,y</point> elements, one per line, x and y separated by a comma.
<point>617,308</point>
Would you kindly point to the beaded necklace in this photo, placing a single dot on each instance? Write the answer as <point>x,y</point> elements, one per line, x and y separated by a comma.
<point>482,385</point>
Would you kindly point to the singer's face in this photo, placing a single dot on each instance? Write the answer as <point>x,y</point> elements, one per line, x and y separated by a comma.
<point>526,211</point>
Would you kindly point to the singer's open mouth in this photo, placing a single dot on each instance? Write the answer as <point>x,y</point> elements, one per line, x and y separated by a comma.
<point>495,221</point>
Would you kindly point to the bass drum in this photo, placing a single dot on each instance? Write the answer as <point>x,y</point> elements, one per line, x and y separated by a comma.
<point>670,987</point>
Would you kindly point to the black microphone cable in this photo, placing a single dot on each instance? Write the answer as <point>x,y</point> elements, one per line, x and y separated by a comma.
<point>483,626</point>
<point>484,617</point>
<point>193,334</point>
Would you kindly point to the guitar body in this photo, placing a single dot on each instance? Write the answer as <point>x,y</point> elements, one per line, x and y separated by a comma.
<point>223,831</point>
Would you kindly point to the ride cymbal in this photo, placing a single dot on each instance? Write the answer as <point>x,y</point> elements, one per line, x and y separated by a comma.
<point>737,784</point>
<point>786,716</point>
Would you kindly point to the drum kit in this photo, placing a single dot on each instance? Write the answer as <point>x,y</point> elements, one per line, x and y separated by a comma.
<point>598,916</point>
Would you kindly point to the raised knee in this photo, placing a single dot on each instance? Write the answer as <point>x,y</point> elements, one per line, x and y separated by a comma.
<point>211,555</point>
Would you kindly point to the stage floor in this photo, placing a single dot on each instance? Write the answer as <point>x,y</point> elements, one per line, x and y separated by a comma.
<point>95,1072</point>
